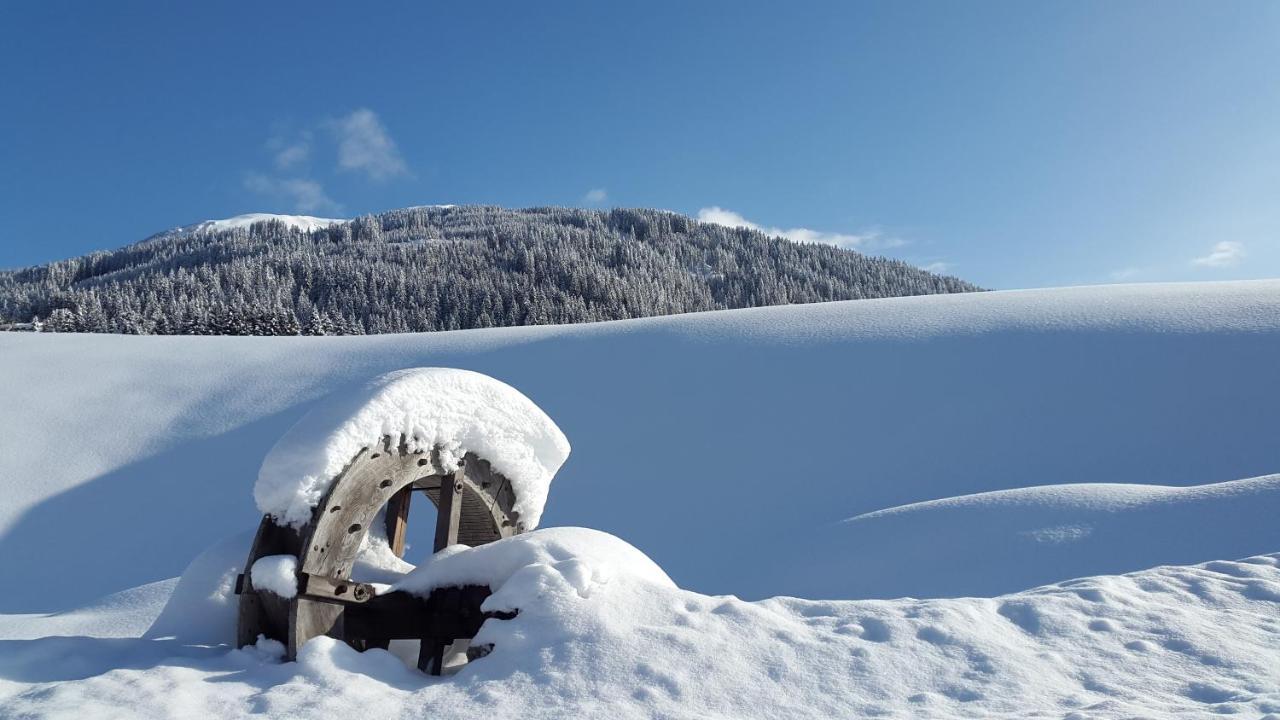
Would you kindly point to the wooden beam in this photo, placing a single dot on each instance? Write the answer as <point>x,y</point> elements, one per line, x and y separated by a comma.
<point>344,591</point>
<point>431,655</point>
<point>398,519</point>
<point>449,512</point>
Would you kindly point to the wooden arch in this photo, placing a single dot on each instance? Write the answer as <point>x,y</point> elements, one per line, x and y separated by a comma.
<point>474,503</point>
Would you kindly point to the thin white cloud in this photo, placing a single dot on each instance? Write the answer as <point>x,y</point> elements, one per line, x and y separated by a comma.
<point>364,146</point>
<point>303,194</point>
<point>937,267</point>
<point>1224,254</point>
<point>1125,273</point>
<point>870,239</point>
<point>289,154</point>
<point>595,196</point>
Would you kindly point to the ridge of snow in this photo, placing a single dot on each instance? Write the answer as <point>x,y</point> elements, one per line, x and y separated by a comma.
<point>454,411</point>
<point>1006,540</point>
<point>1106,497</point>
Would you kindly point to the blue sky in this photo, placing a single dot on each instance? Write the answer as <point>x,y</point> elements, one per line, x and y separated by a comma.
<point>1014,144</point>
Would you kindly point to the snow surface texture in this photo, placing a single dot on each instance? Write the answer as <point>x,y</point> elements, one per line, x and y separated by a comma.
<point>602,633</point>
<point>771,427</point>
<point>455,411</point>
<point>277,574</point>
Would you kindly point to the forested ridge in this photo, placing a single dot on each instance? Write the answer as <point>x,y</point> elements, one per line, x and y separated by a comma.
<point>441,268</point>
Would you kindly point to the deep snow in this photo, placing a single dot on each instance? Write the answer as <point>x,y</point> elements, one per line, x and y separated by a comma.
<point>936,446</point>
<point>593,641</point>
<point>726,446</point>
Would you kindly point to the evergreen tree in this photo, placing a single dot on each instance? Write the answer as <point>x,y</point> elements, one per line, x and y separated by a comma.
<point>425,269</point>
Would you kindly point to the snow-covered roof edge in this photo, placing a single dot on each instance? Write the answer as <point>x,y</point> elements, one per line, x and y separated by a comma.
<point>456,411</point>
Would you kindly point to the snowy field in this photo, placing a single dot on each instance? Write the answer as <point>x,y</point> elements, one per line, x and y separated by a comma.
<point>1006,457</point>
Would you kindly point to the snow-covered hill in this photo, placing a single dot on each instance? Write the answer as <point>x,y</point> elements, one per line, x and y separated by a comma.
<point>724,445</point>
<point>994,445</point>
<point>305,223</point>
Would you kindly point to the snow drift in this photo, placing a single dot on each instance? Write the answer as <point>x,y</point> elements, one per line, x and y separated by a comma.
<point>601,633</point>
<point>1009,540</point>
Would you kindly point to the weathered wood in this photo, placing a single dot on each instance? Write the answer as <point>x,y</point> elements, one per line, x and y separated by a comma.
<point>263,613</point>
<point>398,519</point>
<point>344,591</point>
<point>332,539</point>
<point>449,512</point>
<point>311,618</point>
<point>431,655</point>
<point>475,505</point>
<point>452,613</point>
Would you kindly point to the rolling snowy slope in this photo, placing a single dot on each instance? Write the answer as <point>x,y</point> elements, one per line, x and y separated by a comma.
<point>728,446</point>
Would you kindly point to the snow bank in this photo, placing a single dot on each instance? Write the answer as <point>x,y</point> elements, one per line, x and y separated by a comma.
<point>1169,642</point>
<point>457,411</point>
<point>583,557</point>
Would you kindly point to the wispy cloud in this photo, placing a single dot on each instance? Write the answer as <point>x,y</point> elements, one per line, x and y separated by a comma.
<point>303,194</point>
<point>365,146</point>
<point>1128,273</point>
<point>937,267</point>
<point>1224,254</point>
<point>595,196</point>
<point>865,240</point>
<point>360,143</point>
<point>291,153</point>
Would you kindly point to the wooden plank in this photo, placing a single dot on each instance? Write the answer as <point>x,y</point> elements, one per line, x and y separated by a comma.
<point>335,589</point>
<point>398,519</point>
<point>260,615</point>
<point>431,655</point>
<point>333,539</point>
<point>309,618</point>
<point>449,512</point>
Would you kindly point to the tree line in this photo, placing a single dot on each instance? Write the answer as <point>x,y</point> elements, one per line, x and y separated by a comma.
<point>442,268</point>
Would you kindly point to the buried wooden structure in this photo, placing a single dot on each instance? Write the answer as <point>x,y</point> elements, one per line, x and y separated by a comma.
<point>474,504</point>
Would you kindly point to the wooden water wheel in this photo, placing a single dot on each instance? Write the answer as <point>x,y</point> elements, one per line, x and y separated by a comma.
<point>474,506</point>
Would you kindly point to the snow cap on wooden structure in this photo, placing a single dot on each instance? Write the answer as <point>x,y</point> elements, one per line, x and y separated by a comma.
<point>450,411</point>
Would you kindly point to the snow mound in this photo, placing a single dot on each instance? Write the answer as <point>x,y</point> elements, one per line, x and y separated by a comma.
<point>1168,642</point>
<point>204,606</point>
<point>581,556</point>
<point>277,574</point>
<point>989,543</point>
<point>456,411</point>
<point>305,223</point>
